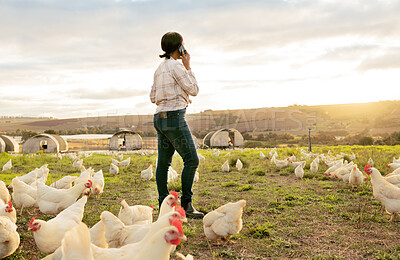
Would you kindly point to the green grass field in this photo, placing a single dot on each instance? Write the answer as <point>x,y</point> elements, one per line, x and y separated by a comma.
<point>312,218</point>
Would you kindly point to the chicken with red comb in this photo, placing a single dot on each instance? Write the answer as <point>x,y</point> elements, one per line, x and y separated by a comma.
<point>385,192</point>
<point>7,210</point>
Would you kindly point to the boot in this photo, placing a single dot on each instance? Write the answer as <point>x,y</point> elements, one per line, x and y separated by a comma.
<point>191,212</point>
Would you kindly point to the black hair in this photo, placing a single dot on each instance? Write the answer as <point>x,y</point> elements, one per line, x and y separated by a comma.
<point>170,42</point>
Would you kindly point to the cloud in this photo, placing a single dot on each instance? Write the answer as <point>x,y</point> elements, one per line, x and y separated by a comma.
<point>106,94</point>
<point>389,60</point>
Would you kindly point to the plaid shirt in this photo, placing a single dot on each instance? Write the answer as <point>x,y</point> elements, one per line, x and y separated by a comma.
<point>172,86</point>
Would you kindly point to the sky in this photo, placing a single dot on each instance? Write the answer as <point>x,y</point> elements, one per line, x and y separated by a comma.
<point>75,58</point>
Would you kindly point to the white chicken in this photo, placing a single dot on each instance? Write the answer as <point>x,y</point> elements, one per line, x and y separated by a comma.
<point>125,162</point>
<point>188,257</point>
<point>9,237</point>
<point>118,234</point>
<point>201,157</point>
<point>147,174</point>
<point>114,170</point>
<point>120,157</point>
<point>384,192</point>
<point>157,246</point>
<point>24,195</point>
<point>216,154</point>
<point>314,165</point>
<point>7,210</point>
<point>239,164</point>
<point>76,244</point>
<point>4,194</point>
<point>115,162</point>
<point>137,214</point>
<point>7,166</point>
<point>64,183</point>
<point>97,183</point>
<point>37,174</point>
<point>393,166</point>
<point>262,155</point>
<point>48,235</point>
<point>395,172</point>
<point>169,203</point>
<point>281,163</point>
<point>295,164</point>
<point>225,166</point>
<point>334,167</point>
<point>299,171</point>
<point>172,174</point>
<point>52,200</point>
<point>77,163</point>
<point>225,221</point>
<point>85,175</point>
<point>370,162</point>
<point>356,177</point>
<point>196,177</point>
<point>97,235</point>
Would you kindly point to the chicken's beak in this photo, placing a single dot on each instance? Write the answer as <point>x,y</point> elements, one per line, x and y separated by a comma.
<point>184,220</point>
<point>183,237</point>
<point>29,228</point>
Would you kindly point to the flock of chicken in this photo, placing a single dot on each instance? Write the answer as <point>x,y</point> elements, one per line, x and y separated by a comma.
<point>130,235</point>
<point>386,189</point>
<point>133,234</point>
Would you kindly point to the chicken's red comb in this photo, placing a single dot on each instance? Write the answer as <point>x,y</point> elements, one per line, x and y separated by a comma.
<point>152,206</point>
<point>180,210</point>
<point>91,183</point>
<point>172,192</point>
<point>367,167</point>
<point>30,223</point>
<point>178,225</point>
<point>10,203</point>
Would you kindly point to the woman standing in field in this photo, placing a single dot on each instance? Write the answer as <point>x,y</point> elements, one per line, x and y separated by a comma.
<point>173,83</point>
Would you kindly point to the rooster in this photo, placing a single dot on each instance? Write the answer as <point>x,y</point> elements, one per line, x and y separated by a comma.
<point>384,192</point>
<point>118,234</point>
<point>52,201</point>
<point>9,237</point>
<point>225,221</point>
<point>137,214</point>
<point>48,235</point>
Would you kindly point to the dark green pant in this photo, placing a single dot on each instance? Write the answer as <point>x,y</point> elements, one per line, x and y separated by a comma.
<point>174,134</point>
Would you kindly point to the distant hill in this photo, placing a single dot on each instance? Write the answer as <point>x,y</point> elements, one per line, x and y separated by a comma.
<point>374,118</point>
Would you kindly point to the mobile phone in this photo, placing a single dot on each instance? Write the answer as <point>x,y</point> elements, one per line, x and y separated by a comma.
<point>182,50</point>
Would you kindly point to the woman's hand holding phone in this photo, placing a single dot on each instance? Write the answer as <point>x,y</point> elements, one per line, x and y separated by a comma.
<point>185,56</point>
